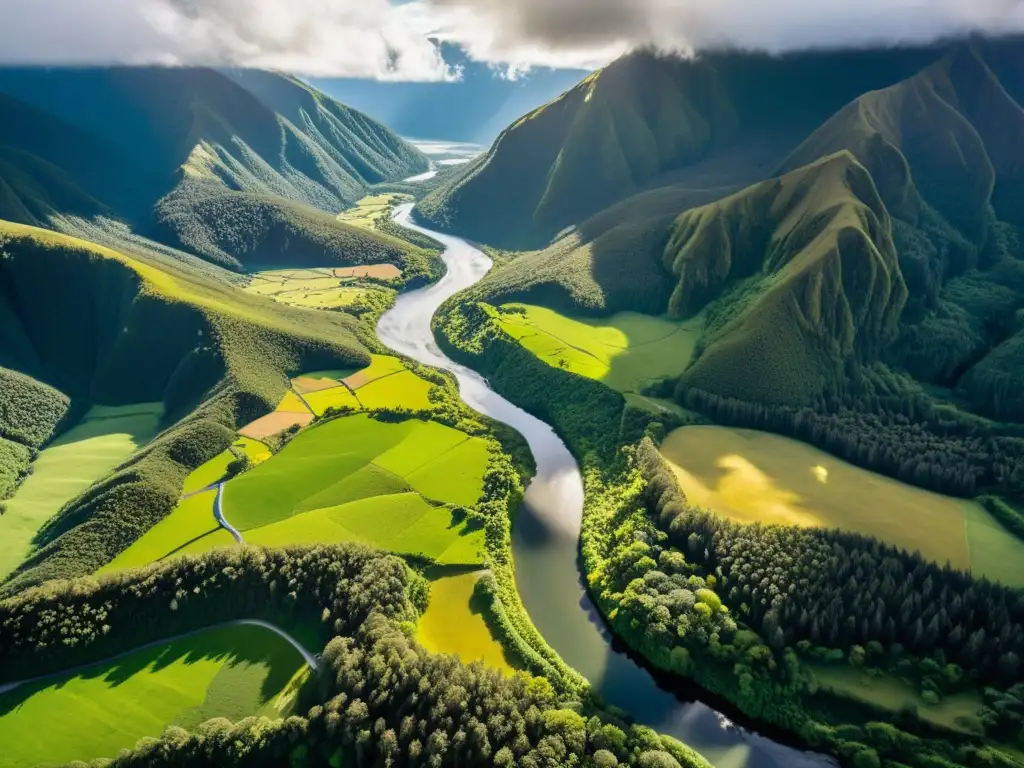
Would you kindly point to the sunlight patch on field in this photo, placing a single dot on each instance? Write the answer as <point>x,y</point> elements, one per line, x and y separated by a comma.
<point>752,476</point>
<point>451,624</point>
<point>626,351</point>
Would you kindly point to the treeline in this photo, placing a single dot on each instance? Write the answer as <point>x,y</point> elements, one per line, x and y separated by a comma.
<point>64,624</point>
<point>378,697</point>
<point>905,437</point>
<point>387,701</point>
<point>838,589</point>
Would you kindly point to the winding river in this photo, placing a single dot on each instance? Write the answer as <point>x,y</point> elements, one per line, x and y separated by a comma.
<point>546,540</point>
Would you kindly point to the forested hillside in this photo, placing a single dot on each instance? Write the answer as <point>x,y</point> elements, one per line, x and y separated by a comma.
<point>164,150</point>
<point>645,120</point>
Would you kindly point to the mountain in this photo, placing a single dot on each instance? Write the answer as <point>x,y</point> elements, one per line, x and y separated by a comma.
<point>175,147</point>
<point>887,231</point>
<point>474,108</point>
<point>648,120</point>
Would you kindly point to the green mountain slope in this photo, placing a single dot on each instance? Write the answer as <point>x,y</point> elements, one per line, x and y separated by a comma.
<point>184,141</point>
<point>101,327</point>
<point>718,120</point>
<point>805,275</point>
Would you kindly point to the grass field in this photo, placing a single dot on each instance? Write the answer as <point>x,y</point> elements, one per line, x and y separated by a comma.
<point>230,672</point>
<point>753,476</point>
<point>451,625</point>
<point>83,455</point>
<point>403,523</point>
<point>626,351</point>
<point>321,288</point>
<point>894,694</point>
<point>353,478</point>
<point>190,521</point>
<point>214,470</point>
<point>367,211</point>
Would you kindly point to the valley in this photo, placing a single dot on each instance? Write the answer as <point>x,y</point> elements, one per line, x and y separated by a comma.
<point>681,427</point>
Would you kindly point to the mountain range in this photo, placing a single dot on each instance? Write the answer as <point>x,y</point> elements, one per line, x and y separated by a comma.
<point>822,210</point>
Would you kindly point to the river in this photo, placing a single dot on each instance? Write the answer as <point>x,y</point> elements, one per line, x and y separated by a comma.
<point>546,541</point>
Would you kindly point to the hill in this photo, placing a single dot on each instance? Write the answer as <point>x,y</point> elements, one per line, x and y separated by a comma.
<point>86,323</point>
<point>717,120</point>
<point>175,147</point>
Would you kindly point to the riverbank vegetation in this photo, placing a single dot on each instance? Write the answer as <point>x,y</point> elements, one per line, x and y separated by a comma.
<point>750,611</point>
<point>366,703</point>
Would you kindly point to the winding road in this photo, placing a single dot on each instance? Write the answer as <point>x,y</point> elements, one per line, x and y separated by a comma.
<point>310,660</point>
<point>546,541</point>
<point>218,513</point>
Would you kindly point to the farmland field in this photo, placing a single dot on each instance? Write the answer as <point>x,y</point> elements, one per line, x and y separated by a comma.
<point>230,672</point>
<point>625,351</point>
<point>86,453</point>
<point>353,478</point>
<point>320,288</point>
<point>213,470</point>
<point>451,625</point>
<point>753,476</point>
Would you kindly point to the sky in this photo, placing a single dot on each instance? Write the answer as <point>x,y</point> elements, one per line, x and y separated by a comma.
<point>398,40</point>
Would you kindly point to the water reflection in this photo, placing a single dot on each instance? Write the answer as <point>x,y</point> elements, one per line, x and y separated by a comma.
<point>545,541</point>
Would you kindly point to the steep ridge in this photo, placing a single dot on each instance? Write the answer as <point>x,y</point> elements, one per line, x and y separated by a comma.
<point>720,119</point>
<point>183,145</point>
<point>812,279</point>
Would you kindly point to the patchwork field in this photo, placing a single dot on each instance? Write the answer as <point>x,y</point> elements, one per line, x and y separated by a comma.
<point>894,694</point>
<point>625,351</point>
<point>753,476</point>
<point>83,455</point>
<point>231,672</point>
<point>451,625</point>
<point>350,479</point>
<point>367,211</point>
<point>320,288</point>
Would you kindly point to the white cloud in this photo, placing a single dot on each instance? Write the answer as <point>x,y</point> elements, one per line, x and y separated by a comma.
<point>356,38</point>
<point>389,39</point>
<point>587,33</point>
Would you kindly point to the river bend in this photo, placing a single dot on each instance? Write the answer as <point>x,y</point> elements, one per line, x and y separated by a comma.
<point>546,540</point>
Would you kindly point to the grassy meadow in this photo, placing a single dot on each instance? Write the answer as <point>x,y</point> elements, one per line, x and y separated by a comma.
<point>68,466</point>
<point>752,476</point>
<point>626,351</point>
<point>391,485</point>
<point>451,624</point>
<point>231,672</point>
<point>320,288</point>
<point>894,694</point>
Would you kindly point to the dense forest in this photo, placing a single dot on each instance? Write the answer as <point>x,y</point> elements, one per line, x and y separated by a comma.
<point>379,697</point>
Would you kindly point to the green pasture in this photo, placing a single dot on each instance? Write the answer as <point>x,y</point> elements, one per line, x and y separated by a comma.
<point>80,457</point>
<point>453,624</point>
<point>892,693</point>
<point>626,351</point>
<point>752,477</point>
<point>320,486</point>
<point>231,672</point>
<point>215,469</point>
<point>400,390</point>
<point>314,466</point>
<point>403,523</point>
<point>190,521</point>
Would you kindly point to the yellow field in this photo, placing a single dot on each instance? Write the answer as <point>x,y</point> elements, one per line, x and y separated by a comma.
<point>450,624</point>
<point>367,211</point>
<point>320,288</point>
<point>626,351</point>
<point>753,476</point>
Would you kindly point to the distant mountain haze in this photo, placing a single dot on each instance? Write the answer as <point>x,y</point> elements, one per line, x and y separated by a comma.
<point>475,108</point>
